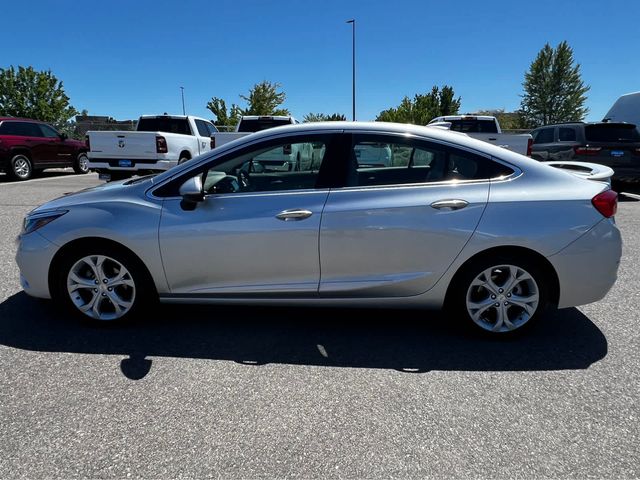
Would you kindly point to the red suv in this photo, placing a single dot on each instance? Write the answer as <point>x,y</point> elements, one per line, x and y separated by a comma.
<point>27,146</point>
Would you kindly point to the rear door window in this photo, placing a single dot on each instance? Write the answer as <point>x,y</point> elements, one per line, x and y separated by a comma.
<point>566,134</point>
<point>21,129</point>
<point>611,132</point>
<point>378,160</point>
<point>203,131</point>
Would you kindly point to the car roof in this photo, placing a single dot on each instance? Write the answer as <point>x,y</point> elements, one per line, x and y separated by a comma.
<point>470,116</point>
<point>273,117</point>
<point>570,124</point>
<point>2,119</point>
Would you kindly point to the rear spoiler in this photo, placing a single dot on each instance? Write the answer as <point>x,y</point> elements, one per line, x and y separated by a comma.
<point>590,171</point>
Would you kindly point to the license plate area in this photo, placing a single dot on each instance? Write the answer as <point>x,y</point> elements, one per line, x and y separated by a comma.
<point>617,153</point>
<point>125,163</point>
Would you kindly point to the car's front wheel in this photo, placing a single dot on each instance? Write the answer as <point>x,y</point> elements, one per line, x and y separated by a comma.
<point>500,295</point>
<point>102,284</point>
<point>81,165</point>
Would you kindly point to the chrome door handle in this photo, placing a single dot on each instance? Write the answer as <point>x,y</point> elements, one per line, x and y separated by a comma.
<point>455,204</point>
<point>294,214</point>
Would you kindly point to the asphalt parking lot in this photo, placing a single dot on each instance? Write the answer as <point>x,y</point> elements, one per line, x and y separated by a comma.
<point>245,393</point>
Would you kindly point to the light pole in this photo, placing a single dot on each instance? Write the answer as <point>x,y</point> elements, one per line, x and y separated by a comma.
<point>353,56</point>
<point>182,93</point>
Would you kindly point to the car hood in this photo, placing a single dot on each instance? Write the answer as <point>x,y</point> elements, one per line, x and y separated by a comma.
<point>108,192</point>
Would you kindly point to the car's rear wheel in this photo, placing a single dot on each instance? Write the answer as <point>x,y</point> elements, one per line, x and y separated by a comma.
<point>21,167</point>
<point>102,284</point>
<point>500,295</point>
<point>81,165</point>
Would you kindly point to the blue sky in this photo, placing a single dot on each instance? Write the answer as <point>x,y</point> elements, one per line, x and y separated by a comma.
<point>126,58</point>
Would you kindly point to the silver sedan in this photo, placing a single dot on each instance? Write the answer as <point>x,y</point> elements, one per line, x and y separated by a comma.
<point>448,221</point>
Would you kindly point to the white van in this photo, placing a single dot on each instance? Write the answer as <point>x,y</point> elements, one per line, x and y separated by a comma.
<point>625,109</point>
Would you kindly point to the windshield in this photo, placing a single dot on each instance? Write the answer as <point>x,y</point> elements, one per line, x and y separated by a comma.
<point>259,124</point>
<point>612,132</point>
<point>164,124</point>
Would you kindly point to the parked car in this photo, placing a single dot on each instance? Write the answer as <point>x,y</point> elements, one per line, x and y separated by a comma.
<point>159,143</point>
<point>29,146</point>
<point>445,224</point>
<point>616,145</point>
<point>487,129</point>
<point>625,109</point>
<point>249,124</point>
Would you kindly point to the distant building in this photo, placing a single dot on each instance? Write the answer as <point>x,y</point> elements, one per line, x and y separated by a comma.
<point>99,122</point>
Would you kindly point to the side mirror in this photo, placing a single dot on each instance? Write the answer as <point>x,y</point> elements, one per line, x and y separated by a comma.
<point>63,136</point>
<point>191,192</point>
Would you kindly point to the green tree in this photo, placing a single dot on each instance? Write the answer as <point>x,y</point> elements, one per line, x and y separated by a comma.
<point>263,99</point>
<point>553,88</point>
<point>32,94</point>
<point>323,117</point>
<point>423,107</point>
<point>224,117</point>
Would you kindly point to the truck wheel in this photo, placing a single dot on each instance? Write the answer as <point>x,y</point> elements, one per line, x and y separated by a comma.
<point>182,160</point>
<point>21,168</point>
<point>81,165</point>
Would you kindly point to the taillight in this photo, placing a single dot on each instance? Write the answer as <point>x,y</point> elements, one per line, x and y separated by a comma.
<point>529,146</point>
<point>286,149</point>
<point>87,142</point>
<point>212,144</point>
<point>161,144</point>
<point>606,203</point>
<point>587,150</point>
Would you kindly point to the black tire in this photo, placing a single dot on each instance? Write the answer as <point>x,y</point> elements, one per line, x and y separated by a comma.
<point>503,301</point>
<point>81,164</point>
<point>20,167</point>
<point>183,159</point>
<point>142,295</point>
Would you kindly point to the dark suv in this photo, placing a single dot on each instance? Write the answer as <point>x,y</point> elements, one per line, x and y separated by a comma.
<point>616,145</point>
<point>27,146</point>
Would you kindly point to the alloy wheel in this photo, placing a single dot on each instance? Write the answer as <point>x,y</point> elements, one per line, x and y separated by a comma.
<point>502,298</point>
<point>101,287</point>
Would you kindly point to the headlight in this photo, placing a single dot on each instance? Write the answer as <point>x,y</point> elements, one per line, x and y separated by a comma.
<point>38,220</point>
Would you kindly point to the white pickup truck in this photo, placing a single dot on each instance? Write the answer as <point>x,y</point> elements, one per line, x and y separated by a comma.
<point>159,143</point>
<point>487,129</point>
<point>250,124</point>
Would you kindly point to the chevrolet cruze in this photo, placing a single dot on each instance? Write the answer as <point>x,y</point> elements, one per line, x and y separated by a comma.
<point>495,237</point>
